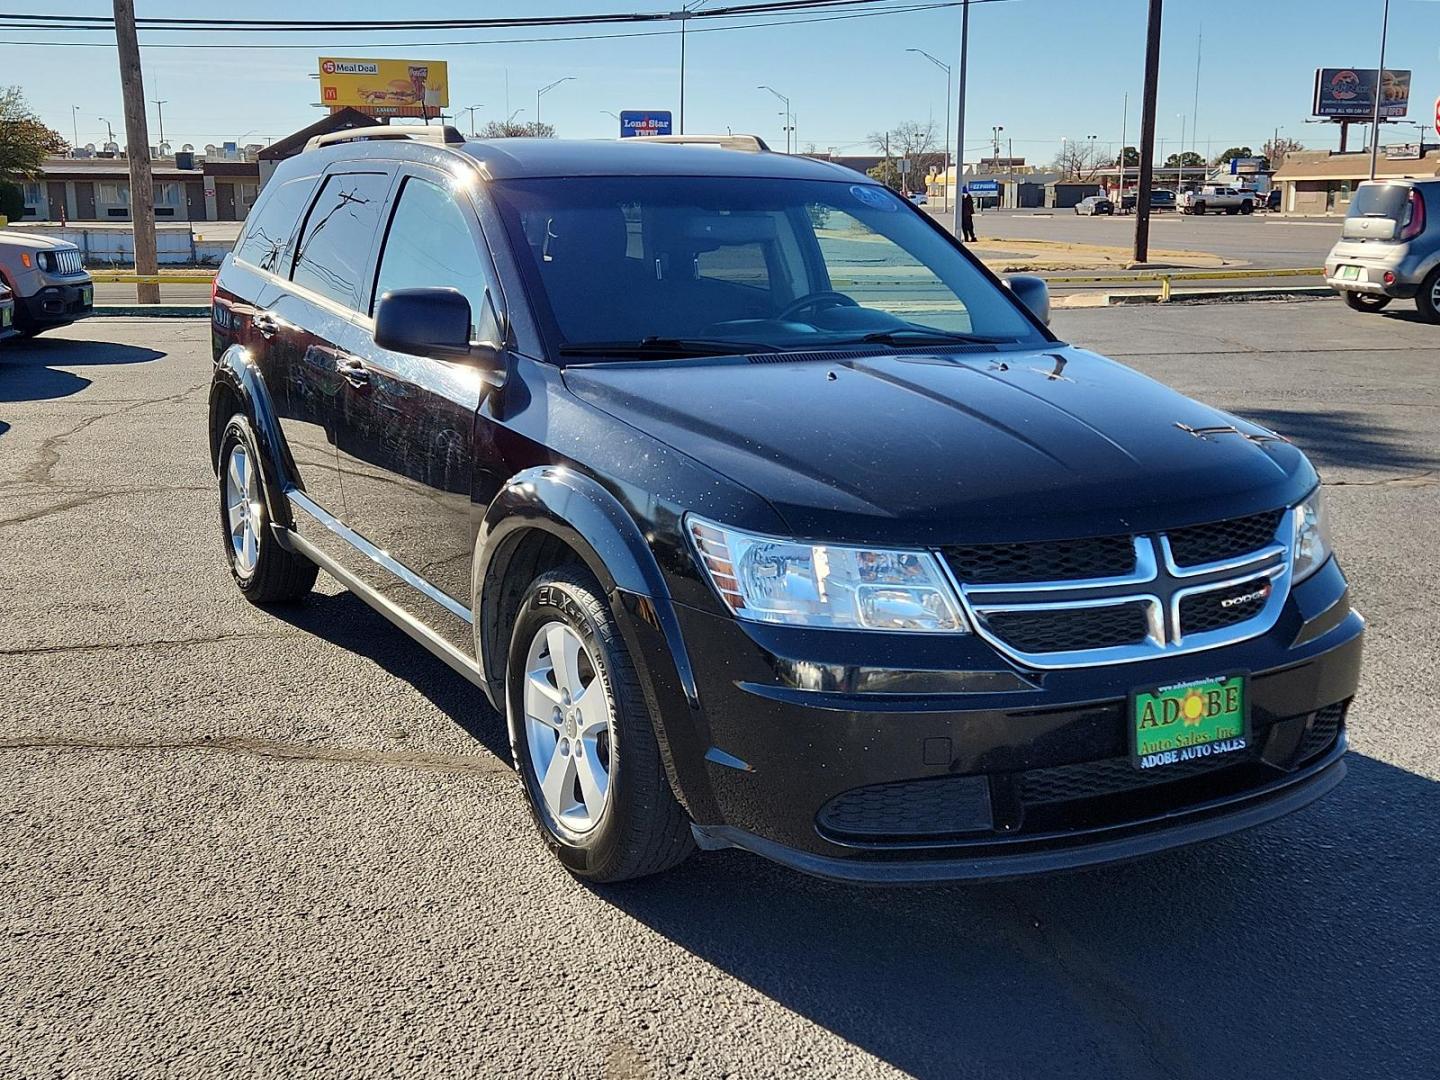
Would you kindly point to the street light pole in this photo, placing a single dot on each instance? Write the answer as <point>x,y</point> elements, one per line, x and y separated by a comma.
<point>109,131</point>
<point>160,112</point>
<point>75,124</point>
<point>786,102</point>
<point>545,90</point>
<point>960,114</point>
<point>471,110</point>
<point>945,181</point>
<point>1379,87</point>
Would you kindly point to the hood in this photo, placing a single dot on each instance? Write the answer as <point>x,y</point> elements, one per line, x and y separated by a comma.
<point>931,449</point>
<point>12,238</point>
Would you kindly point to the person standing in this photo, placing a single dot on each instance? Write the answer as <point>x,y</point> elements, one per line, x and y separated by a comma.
<point>967,217</point>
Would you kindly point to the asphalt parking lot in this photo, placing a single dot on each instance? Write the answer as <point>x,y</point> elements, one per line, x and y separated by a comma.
<point>245,843</point>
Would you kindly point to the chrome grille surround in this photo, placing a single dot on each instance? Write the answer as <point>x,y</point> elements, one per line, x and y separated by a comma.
<point>1158,583</point>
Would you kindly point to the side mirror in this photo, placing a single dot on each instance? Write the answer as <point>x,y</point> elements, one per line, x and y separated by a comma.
<point>1033,293</point>
<point>432,322</point>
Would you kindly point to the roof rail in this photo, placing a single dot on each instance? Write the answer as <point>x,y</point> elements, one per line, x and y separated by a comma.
<point>753,143</point>
<point>381,132</point>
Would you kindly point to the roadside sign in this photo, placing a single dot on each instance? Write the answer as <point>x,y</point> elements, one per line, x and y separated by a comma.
<point>1349,93</point>
<point>384,87</point>
<point>983,187</point>
<point>1437,116</point>
<point>640,123</point>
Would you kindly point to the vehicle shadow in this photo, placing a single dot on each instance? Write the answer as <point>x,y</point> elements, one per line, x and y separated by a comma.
<point>1307,948</point>
<point>344,620</point>
<point>33,370</point>
<point>1337,438</point>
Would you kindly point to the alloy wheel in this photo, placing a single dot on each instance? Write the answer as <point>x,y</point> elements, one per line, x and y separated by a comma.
<point>242,508</point>
<point>568,727</point>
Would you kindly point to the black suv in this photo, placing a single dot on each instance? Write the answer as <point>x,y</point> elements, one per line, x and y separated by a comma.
<point>767,516</point>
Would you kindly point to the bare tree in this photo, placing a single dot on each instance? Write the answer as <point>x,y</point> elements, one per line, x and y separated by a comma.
<point>911,142</point>
<point>505,129</point>
<point>1079,160</point>
<point>1275,150</point>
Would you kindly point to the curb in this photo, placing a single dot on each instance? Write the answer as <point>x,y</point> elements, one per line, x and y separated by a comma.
<point>152,311</point>
<point>1180,296</point>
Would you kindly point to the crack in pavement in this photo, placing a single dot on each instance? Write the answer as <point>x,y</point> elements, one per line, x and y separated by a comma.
<point>48,454</point>
<point>40,650</point>
<point>1424,479</point>
<point>88,497</point>
<point>274,751</point>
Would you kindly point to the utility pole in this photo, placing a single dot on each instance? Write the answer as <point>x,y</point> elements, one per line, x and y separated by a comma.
<point>1124,126</point>
<point>1379,88</point>
<point>160,114</point>
<point>1147,133</point>
<point>944,176</point>
<point>137,135</point>
<point>75,124</point>
<point>960,117</point>
<point>471,110</point>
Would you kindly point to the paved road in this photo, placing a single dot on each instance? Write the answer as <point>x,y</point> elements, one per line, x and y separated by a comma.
<point>238,843</point>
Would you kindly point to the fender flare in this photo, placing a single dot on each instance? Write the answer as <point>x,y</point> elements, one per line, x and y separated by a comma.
<point>577,510</point>
<point>238,376</point>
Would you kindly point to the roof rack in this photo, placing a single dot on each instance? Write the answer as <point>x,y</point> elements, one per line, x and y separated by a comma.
<point>381,132</point>
<point>753,143</point>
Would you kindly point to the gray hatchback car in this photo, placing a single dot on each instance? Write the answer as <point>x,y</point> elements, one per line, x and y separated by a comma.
<point>1390,247</point>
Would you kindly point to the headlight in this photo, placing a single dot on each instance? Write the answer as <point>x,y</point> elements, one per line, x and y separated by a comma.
<point>1312,537</point>
<point>767,579</point>
<point>46,259</point>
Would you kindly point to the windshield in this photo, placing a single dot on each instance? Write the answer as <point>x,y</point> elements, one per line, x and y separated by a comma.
<point>693,263</point>
<point>1379,200</point>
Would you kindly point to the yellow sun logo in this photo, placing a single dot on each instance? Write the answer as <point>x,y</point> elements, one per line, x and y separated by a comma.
<point>1192,708</point>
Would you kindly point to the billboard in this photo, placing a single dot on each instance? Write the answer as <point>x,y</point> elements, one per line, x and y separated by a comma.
<point>637,123</point>
<point>384,87</point>
<point>1349,93</point>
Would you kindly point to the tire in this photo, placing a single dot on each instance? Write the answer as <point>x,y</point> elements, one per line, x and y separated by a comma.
<point>1198,208</point>
<point>634,826</point>
<point>1427,300</point>
<point>1247,208</point>
<point>1365,301</point>
<point>265,572</point>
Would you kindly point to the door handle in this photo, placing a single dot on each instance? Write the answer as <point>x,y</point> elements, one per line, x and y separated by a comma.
<point>354,371</point>
<point>266,325</point>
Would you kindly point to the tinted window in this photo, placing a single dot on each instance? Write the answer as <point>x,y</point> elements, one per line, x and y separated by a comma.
<point>334,249</point>
<point>619,259</point>
<point>1379,200</point>
<point>272,224</point>
<point>430,243</point>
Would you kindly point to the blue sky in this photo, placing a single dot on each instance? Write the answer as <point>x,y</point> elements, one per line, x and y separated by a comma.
<point>1041,68</point>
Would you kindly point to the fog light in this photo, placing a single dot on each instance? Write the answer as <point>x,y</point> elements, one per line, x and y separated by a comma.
<point>1388,277</point>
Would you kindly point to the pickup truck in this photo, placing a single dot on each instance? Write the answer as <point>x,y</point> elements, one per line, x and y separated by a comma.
<point>1215,197</point>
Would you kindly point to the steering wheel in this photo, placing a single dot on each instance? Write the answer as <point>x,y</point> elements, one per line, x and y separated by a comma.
<point>815,299</point>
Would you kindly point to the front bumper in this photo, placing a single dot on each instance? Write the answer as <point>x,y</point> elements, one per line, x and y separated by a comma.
<point>56,303</point>
<point>962,766</point>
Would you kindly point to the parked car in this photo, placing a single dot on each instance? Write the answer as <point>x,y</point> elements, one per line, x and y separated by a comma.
<point>1216,197</point>
<point>1160,199</point>
<point>1095,204</point>
<point>1389,247</point>
<point>882,581</point>
<point>7,312</point>
<point>918,198</point>
<point>48,279</point>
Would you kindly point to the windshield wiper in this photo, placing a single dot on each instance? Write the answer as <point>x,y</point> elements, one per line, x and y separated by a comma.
<point>924,336</point>
<point>665,346</point>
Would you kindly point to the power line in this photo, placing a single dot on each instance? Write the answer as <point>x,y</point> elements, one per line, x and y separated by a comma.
<point>901,10</point>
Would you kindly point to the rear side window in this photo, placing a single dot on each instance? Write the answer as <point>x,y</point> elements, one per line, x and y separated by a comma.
<point>429,244</point>
<point>334,249</point>
<point>272,225</point>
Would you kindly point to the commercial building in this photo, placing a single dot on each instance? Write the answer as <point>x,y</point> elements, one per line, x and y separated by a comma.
<point>1322,182</point>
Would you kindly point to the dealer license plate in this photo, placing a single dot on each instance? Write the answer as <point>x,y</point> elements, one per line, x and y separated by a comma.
<point>1189,720</point>
<point>1349,273</point>
<point>87,295</point>
<point>4,318</point>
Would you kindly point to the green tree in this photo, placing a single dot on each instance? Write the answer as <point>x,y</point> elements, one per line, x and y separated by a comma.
<point>507,129</point>
<point>1189,160</point>
<point>887,172</point>
<point>24,141</point>
<point>1234,152</point>
<point>12,201</point>
<point>1130,158</point>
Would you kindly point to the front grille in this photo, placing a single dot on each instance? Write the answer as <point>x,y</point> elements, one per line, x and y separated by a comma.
<point>947,805</point>
<point>66,261</point>
<point>1047,631</point>
<point>1058,560</point>
<point>1218,609</point>
<point>1221,540</point>
<point>1321,733</point>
